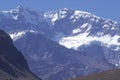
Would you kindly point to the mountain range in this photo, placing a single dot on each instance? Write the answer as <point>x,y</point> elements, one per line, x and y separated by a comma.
<point>63,43</point>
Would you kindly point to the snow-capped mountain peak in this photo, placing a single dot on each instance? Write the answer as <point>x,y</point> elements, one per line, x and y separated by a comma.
<point>16,12</point>
<point>24,14</point>
<point>80,28</point>
<point>18,9</point>
<point>73,15</point>
<point>52,16</point>
<point>64,10</point>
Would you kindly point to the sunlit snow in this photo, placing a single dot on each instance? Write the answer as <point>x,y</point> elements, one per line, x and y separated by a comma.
<point>86,25</point>
<point>17,35</point>
<point>77,14</point>
<point>84,39</point>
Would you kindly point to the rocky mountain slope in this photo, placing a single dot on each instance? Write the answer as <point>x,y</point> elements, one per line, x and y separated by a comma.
<point>13,65</point>
<point>52,61</point>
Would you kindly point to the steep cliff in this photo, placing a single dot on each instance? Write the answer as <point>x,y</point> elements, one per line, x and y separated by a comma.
<point>13,65</point>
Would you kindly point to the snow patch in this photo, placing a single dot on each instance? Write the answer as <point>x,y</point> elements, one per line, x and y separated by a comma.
<point>15,17</point>
<point>6,12</point>
<point>117,48</point>
<point>17,35</point>
<point>84,39</point>
<point>76,31</point>
<point>106,26</point>
<point>86,27</point>
<point>77,14</point>
<point>63,12</point>
<point>54,17</point>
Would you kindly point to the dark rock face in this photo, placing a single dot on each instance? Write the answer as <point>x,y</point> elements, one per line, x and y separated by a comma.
<point>12,62</point>
<point>11,54</point>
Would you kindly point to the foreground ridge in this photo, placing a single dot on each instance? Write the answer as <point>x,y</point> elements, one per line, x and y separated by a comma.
<point>13,65</point>
<point>107,75</point>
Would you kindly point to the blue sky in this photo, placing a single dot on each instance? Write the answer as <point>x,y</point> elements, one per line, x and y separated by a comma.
<point>109,9</point>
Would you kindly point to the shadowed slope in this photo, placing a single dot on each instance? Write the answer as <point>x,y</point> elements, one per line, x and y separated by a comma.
<point>13,65</point>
